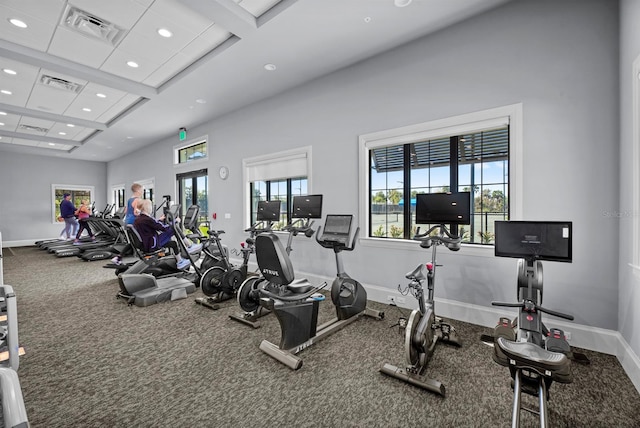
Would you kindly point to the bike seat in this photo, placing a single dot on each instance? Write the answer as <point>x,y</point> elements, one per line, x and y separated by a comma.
<point>529,355</point>
<point>300,286</point>
<point>416,274</point>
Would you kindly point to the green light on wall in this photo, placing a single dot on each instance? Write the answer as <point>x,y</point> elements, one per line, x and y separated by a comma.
<point>182,134</point>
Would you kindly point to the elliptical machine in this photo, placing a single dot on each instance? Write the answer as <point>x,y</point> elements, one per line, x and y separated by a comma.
<point>424,329</point>
<point>296,304</point>
<point>535,355</point>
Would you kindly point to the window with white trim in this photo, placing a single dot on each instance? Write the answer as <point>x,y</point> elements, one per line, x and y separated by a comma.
<point>277,176</point>
<point>191,151</point>
<point>477,152</point>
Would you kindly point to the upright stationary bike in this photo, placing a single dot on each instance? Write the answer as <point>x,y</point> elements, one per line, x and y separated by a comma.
<point>424,329</point>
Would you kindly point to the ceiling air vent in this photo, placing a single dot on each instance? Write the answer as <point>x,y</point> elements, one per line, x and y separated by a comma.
<point>34,128</point>
<point>58,83</point>
<point>91,26</point>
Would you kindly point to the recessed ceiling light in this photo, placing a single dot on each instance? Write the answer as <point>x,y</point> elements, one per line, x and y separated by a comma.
<point>201,101</point>
<point>367,19</point>
<point>132,64</point>
<point>1,124</point>
<point>18,23</point>
<point>269,67</point>
<point>164,32</point>
<point>4,91</point>
<point>86,109</point>
<point>9,71</point>
<point>101,96</point>
<point>52,144</point>
<point>3,113</point>
<point>401,3</point>
<point>62,133</point>
<point>70,125</point>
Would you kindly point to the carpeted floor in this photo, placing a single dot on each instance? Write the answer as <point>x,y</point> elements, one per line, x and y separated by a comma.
<point>93,361</point>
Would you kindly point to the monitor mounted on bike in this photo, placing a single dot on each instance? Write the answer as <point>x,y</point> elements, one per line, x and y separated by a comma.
<point>268,210</point>
<point>534,240</point>
<point>443,208</point>
<point>309,206</point>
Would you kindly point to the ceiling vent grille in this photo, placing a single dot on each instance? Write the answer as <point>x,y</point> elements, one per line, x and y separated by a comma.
<point>91,26</point>
<point>34,128</point>
<point>58,83</point>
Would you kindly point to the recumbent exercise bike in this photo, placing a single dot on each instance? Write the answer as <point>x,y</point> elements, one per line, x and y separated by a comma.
<point>296,303</point>
<point>424,329</point>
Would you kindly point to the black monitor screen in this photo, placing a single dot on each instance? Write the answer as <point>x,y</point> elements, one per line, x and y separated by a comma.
<point>443,208</point>
<point>268,211</point>
<point>539,240</point>
<point>338,224</point>
<point>309,206</point>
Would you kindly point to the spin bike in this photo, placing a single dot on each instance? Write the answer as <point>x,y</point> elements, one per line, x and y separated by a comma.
<point>424,329</point>
<point>535,355</point>
<point>221,280</point>
<point>296,304</point>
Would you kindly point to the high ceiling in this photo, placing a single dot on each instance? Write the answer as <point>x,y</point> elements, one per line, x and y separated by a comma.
<point>68,86</point>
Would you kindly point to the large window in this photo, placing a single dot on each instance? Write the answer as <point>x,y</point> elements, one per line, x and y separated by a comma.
<point>277,176</point>
<point>473,153</point>
<point>78,193</point>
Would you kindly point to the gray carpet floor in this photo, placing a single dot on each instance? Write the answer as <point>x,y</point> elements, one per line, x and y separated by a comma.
<point>93,361</point>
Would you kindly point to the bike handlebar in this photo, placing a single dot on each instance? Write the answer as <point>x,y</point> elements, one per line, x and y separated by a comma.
<point>537,307</point>
<point>445,236</point>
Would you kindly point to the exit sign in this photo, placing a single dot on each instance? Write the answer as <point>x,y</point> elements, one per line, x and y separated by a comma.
<point>183,134</point>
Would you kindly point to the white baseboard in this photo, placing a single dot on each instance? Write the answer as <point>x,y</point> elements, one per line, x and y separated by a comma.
<point>10,244</point>
<point>592,338</point>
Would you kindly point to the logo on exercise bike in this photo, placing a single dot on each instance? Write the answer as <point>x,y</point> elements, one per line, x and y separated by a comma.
<point>270,272</point>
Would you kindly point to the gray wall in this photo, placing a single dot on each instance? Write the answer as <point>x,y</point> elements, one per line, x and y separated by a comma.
<point>26,208</point>
<point>560,59</point>
<point>629,288</point>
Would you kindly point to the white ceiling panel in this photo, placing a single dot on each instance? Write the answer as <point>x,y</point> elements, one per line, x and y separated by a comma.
<point>37,34</point>
<point>65,132</point>
<point>151,22</point>
<point>181,16</point>
<point>48,10</point>
<point>213,37</point>
<point>24,142</point>
<point>123,104</point>
<point>68,45</point>
<point>117,64</point>
<point>10,122</point>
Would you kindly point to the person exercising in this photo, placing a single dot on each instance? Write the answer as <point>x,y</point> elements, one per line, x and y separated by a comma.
<point>136,194</point>
<point>156,235</point>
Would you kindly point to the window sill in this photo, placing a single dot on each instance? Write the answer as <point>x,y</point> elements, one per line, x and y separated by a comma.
<point>405,244</point>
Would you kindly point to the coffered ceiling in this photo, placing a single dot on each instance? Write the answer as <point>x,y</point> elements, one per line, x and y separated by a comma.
<point>96,79</point>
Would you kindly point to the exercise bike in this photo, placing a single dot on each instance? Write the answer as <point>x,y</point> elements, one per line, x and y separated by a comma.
<point>536,356</point>
<point>424,329</point>
<point>221,281</point>
<point>296,304</point>
<point>304,210</point>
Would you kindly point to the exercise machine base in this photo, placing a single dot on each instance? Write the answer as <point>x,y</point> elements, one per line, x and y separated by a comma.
<point>430,385</point>
<point>289,358</point>
<point>207,303</point>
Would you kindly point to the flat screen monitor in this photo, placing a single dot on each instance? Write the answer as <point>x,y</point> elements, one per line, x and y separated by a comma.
<point>337,226</point>
<point>443,208</point>
<point>309,206</point>
<point>268,211</point>
<point>537,240</point>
